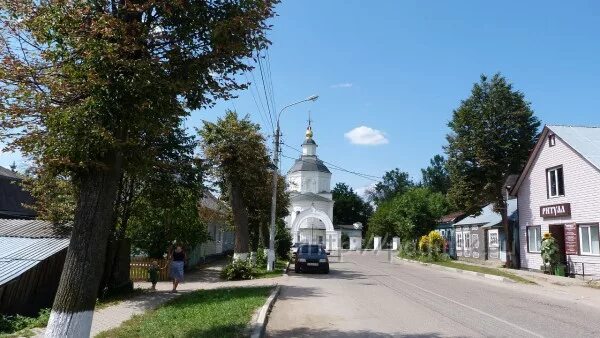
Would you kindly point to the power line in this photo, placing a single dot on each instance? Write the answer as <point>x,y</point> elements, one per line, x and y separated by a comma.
<point>262,76</point>
<point>263,115</point>
<point>334,167</point>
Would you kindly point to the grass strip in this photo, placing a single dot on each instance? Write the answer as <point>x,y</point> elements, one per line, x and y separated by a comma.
<point>204,313</point>
<point>261,272</point>
<point>486,270</point>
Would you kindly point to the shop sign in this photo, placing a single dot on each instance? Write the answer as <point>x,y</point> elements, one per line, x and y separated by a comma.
<point>556,210</point>
<point>571,239</point>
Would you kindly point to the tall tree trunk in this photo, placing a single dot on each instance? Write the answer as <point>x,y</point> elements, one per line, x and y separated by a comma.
<point>509,235</point>
<point>73,307</point>
<point>240,220</point>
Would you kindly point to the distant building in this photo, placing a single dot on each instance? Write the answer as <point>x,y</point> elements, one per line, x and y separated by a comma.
<point>445,226</point>
<point>12,196</point>
<point>311,203</point>
<point>481,236</point>
<point>559,193</point>
<point>221,238</point>
<point>32,255</point>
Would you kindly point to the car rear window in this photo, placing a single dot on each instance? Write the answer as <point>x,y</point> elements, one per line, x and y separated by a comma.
<point>311,249</point>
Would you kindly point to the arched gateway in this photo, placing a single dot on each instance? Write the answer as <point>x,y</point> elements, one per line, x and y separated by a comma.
<point>315,226</point>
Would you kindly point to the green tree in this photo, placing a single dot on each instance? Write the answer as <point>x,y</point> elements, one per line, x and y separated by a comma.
<point>394,182</point>
<point>492,133</point>
<point>349,208</point>
<point>435,176</point>
<point>85,85</point>
<point>236,153</point>
<point>409,216</point>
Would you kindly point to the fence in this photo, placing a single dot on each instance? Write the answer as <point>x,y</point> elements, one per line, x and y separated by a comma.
<point>139,269</point>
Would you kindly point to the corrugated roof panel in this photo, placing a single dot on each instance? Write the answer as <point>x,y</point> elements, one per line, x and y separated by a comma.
<point>585,140</point>
<point>18,255</point>
<point>33,229</point>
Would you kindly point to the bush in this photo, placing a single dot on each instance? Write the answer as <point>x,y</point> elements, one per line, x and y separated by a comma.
<point>549,251</point>
<point>408,250</point>
<point>436,243</point>
<point>11,324</point>
<point>261,257</point>
<point>345,241</point>
<point>283,241</point>
<point>238,270</point>
<point>424,244</point>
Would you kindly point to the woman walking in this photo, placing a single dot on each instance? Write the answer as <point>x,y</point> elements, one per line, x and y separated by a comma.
<point>177,262</point>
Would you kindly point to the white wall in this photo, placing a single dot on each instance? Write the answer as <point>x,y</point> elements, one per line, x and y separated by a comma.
<point>309,181</point>
<point>582,190</point>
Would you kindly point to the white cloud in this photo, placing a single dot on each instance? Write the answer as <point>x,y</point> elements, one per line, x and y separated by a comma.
<point>342,85</point>
<point>364,135</point>
<point>362,191</point>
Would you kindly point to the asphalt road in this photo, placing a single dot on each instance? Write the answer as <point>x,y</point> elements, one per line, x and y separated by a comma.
<point>372,295</point>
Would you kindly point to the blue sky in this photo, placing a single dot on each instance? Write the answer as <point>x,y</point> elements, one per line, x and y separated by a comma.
<point>401,67</point>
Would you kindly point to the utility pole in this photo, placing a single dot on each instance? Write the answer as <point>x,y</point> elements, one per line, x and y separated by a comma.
<point>271,254</point>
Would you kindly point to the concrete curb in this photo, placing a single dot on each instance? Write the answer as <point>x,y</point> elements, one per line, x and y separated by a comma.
<point>259,322</point>
<point>466,272</point>
<point>287,268</point>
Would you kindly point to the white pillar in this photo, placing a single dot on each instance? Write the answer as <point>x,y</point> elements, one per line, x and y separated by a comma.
<point>377,243</point>
<point>395,243</point>
<point>355,243</point>
<point>332,240</point>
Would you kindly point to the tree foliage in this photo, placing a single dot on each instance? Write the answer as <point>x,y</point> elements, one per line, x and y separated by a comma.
<point>349,208</point>
<point>238,161</point>
<point>435,176</point>
<point>492,133</point>
<point>394,182</point>
<point>409,215</point>
<point>87,87</point>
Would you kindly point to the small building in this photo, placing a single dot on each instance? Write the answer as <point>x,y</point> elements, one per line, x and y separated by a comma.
<point>13,197</point>
<point>221,238</point>
<point>559,193</point>
<point>482,237</point>
<point>445,226</point>
<point>351,235</point>
<point>32,255</point>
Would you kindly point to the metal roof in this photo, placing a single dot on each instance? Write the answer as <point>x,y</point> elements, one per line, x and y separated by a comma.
<point>585,140</point>
<point>488,217</point>
<point>309,163</point>
<point>18,254</point>
<point>308,196</point>
<point>33,229</point>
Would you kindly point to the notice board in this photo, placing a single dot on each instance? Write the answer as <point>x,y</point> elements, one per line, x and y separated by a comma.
<point>571,239</point>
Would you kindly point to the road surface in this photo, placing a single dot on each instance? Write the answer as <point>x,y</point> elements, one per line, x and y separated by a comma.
<point>373,295</point>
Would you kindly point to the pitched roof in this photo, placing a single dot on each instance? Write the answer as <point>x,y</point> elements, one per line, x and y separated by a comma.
<point>13,196</point>
<point>309,163</point>
<point>308,196</point>
<point>452,217</point>
<point>488,217</point>
<point>583,140</point>
<point>33,229</point>
<point>18,254</point>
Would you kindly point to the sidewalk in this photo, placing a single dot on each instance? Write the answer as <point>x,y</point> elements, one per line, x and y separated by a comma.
<point>203,279</point>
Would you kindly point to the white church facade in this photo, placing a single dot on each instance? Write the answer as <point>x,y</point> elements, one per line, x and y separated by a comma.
<point>311,204</point>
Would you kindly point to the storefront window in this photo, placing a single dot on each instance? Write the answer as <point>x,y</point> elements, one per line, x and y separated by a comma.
<point>534,238</point>
<point>589,240</point>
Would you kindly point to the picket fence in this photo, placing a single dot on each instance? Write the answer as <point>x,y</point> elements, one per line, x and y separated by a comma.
<point>139,269</point>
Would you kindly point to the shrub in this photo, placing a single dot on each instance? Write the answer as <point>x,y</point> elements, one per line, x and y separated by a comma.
<point>238,270</point>
<point>436,243</point>
<point>261,257</point>
<point>11,324</point>
<point>549,250</point>
<point>408,249</point>
<point>283,241</point>
<point>424,244</point>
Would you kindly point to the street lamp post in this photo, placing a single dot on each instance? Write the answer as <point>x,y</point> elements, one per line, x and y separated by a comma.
<point>271,255</point>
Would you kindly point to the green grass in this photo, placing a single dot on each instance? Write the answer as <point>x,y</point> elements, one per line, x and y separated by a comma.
<point>470,267</point>
<point>204,313</point>
<point>263,273</point>
<point>486,270</point>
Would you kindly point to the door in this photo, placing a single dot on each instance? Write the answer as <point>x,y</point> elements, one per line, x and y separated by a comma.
<point>558,232</point>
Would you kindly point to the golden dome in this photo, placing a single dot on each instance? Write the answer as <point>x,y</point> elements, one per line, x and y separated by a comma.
<point>309,132</point>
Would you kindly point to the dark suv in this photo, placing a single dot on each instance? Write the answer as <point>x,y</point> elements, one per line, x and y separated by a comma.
<point>311,257</point>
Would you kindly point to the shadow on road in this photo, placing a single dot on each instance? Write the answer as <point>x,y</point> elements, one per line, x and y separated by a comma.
<point>297,292</point>
<point>334,273</point>
<point>311,332</point>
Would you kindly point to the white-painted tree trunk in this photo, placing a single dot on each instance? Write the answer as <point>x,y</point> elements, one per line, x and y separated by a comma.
<point>240,256</point>
<point>70,325</point>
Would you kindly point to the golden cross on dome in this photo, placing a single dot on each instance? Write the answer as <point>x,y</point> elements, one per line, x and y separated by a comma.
<point>309,120</point>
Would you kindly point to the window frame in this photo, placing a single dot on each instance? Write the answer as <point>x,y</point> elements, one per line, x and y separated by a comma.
<point>559,184</point>
<point>467,235</point>
<point>459,240</point>
<point>551,140</point>
<point>589,226</point>
<point>496,235</point>
<point>539,227</point>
